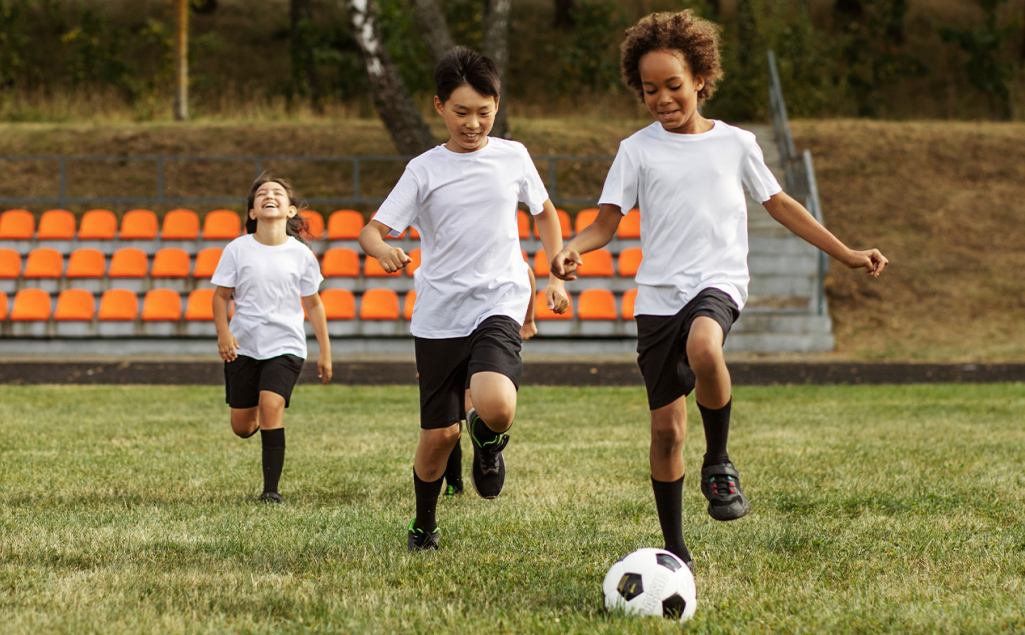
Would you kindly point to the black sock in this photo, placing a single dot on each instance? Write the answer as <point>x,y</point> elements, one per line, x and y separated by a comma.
<point>454,468</point>
<point>273,457</point>
<point>717,432</point>
<point>426,503</point>
<point>482,432</point>
<point>669,503</point>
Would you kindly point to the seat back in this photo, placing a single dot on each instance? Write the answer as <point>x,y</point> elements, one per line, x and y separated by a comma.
<point>56,224</point>
<point>344,224</point>
<point>413,266</point>
<point>206,262</point>
<point>630,226</point>
<point>340,262</point>
<point>139,224</point>
<point>541,266</point>
<point>17,224</point>
<point>597,304</point>
<point>629,298</point>
<point>629,261</point>
<point>170,262</point>
<point>75,305</point>
<point>10,263</point>
<point>407,307</point>
<point>584,218</point>
<point>222,224</point>
<point>339,304</point>
<point>31,305</point>
<point>200,306</point>
<point>162,305</point>
<point>379,304</point>
<point>564,225</point>
<point>118,305</point>
<point>180,224</point>
<point>128,262</point>
<point>314,224</point>
<point>44,263</point>
<point>597,263</point>
<point>86,263</point>
<point>98,224</point>
<point>523,223</point>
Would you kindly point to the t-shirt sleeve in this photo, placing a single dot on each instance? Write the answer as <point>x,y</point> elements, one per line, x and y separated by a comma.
<point>226,273</point>
<point>311,278</point>
<point>532,189</point>
<point>758,180</point>
<point>400,208</point>
<point>621,182</point>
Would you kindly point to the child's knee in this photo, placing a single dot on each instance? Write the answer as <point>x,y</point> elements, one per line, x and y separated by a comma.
<point>498,412</point>
<point>668,429</point>
<point>704,357</point>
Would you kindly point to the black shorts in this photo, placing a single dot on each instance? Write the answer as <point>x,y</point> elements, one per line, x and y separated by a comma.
<point>446,365</point>
<point>245,377</point>
<point>662,345</point>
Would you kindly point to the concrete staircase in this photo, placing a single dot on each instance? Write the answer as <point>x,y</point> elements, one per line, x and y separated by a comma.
<point>782,314</point>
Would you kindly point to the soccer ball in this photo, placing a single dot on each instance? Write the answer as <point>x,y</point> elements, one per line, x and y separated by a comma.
<point>651,582</point>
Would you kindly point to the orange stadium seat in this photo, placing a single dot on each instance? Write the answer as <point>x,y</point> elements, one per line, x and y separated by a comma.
<point>379,304</point>
<point>340,262</point>
<point>139,224</point>
<point>31,305</point>
<point>407,307</point>
<point>10,263</point>
<point>162,305</point>
<point>98,224</point>
<point>584,218</point>
<point>200,306</point>
<point>75,305</point>
<point>86,263</point>
<point>118,305</point>
<point>314,224</point>
<point>339,304</point>
<point>523,223</point>
<point>629,261</point>
<point>170,262</point>
<point>526,258</point>
<point>597,264</point>
<point>597,304</point>
<point>206,262</point>
<point>3,306</point>
<point>541,264</point>
<point>413,266</point>
<point>628,304</point>
<point>542,312</point>
<point>56,224</point>
<point>563,223</point>
<point>344,224</point>
<point>630,226</point>
<point>17,224</point>
<point>180,224</point>
<point>372,269</point>
<point>44,263</point>
<point>222,224</point>
<point>414,234</point>
<point>128,262</point>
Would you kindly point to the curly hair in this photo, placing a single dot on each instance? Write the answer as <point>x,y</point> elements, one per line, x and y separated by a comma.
<point>697,39</point>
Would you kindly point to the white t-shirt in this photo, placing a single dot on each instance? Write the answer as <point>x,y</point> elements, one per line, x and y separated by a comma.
<point>269,284</point>
<point>690,191</point>
<point>464,206</point>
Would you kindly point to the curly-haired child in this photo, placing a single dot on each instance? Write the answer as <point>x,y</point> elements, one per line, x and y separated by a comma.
<point>687,174</point>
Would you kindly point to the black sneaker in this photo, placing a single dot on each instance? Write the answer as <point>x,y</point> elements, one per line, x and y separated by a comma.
<point>720,484</point>
<point>454,488</point>
<point>488,464</point>
<point>420,540</point>
<point>271,497</point>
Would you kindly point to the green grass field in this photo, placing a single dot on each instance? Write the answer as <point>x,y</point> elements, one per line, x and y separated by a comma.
<point>875,509</point>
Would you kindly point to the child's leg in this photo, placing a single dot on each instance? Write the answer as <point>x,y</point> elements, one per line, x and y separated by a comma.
<point>668,432</point>
<point>431,457</point>
<point>272,433</point>
<point>494,399</point>
<point>245,421</point>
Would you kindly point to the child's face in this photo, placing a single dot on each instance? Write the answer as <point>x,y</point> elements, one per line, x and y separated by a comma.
<point>271,203</point>
<point>670,89</point>
<point>469,117</point>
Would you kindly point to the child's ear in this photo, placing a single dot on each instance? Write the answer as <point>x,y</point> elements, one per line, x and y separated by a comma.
<point>292,210</point>
<point>438,106</point>
<point>699,83</point>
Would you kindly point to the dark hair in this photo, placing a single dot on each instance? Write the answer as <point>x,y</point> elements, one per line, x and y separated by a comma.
<point>297,226</point>
<point>693,37</point>
<point>462,66</point>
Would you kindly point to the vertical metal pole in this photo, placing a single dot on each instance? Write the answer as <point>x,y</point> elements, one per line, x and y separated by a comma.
<point>181,60</point>
<point>258,164</point>
<point>355,179</point>
<point>160,179</point>
<point>62,163</point>
<point>551,179</point>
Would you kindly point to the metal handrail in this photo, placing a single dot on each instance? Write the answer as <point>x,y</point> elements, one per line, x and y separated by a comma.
<point>799,171</point>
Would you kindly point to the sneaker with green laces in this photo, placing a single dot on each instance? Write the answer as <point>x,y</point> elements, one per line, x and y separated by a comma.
<point>420,540</point>
<point>720,484</point>
<point>488,473</point>
<point>454,488</point>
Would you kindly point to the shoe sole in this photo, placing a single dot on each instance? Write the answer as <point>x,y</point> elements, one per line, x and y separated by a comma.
<point>732,511</point>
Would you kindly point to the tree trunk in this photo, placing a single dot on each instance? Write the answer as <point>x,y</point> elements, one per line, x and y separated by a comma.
<point>496,46</point>
<point>181,61</point>
<point>392,100</point>
<point>564,18</point>
<point>430,19</point>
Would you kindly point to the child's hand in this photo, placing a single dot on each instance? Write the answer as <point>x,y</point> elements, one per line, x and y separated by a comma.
<point>394,260</point>
<point>528,330</point>
<point>871,260</point>
<point>324,368</point>
<point>555,296</point>
<point>564,265</point>
<point>226,347</point>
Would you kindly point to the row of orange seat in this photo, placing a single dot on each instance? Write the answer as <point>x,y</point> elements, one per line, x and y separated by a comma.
<point>162,305</point>
<point>184,224</point>
<point>172,262</point>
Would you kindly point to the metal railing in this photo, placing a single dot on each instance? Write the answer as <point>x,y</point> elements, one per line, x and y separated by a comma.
<point>62,197</point>
<point>799,171</point>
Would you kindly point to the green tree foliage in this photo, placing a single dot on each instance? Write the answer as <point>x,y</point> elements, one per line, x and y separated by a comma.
<point>589,55</point>
<point>13,39</point>
<point>984,44</point>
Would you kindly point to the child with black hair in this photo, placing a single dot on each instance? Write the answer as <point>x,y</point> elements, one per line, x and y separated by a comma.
<point>472,293</point>
<point>688,174</point>
<point>273,275</point>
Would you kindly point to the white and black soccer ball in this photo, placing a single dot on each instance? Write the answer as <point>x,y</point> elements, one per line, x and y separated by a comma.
<point>651,582</point>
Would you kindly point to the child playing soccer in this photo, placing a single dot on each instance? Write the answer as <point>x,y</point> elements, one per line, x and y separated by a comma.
<point>272,275</point>
<point>688,174</point>
<point>470,288</point>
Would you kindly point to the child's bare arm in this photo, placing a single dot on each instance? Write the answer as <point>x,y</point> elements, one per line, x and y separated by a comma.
<point>551,238</point>
<point>371,239</point>
<point>595,236</point>
<point>792,215</point>
<point>529,328</point>
<point>318,320</point>
<point>227,345</point>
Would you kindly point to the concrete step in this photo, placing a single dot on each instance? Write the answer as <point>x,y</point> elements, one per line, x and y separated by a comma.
<point>779,343</point>
<point>782,322</point>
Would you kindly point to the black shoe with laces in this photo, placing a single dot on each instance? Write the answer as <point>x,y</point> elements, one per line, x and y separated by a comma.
<point>420,540</point>
<point>488,464</point>
<point>272,498</point>
<point>454,488</point>
<point>720,484</point>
